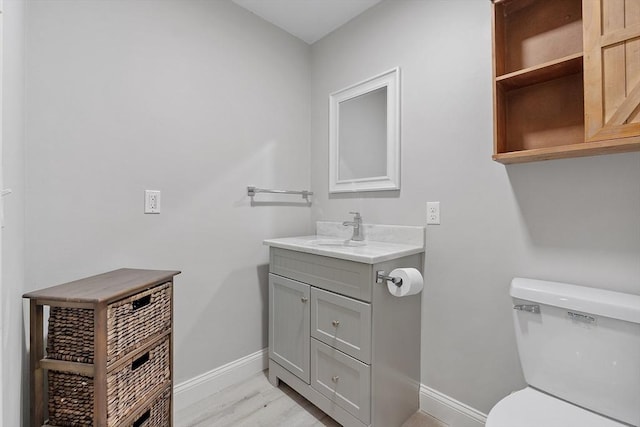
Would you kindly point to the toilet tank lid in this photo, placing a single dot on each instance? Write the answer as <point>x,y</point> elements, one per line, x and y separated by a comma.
<point>616,305</point>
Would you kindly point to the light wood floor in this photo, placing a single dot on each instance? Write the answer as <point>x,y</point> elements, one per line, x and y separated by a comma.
<point>256,403</point>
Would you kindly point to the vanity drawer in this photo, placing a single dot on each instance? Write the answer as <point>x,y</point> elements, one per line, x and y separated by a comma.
<point>341,322</point>
<point>353,279</point>
<point>342,379</point>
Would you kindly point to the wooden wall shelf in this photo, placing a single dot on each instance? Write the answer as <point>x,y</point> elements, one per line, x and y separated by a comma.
<point>568,151</point>
<point>562,88</point>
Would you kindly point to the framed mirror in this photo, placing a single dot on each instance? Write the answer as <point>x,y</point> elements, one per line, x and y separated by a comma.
<point>364,135</point>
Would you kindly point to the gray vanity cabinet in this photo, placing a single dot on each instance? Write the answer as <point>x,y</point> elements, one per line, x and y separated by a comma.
<point>343,341</point>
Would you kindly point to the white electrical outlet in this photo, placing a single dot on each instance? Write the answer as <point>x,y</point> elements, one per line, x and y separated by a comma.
<point>151,201</point>
<point>433,213</point>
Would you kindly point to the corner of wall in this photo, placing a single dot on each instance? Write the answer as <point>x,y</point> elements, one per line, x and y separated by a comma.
<point>14,396</point>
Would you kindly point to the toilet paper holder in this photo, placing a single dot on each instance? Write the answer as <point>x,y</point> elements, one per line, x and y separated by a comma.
<point>381,277</point>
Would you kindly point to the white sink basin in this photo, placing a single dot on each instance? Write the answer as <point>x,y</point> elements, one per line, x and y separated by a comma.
<point>337,243</point>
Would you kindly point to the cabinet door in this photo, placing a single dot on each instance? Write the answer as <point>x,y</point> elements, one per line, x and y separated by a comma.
<point>612,69</point>
<point>289,319</point>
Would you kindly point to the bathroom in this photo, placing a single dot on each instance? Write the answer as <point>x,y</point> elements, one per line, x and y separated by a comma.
<point>198,99</point>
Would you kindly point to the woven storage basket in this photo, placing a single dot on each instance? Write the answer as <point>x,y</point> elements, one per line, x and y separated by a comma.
<point>133,319</point>
<point>129,322</point>
<point>71,395</point>
<point>158,415</point>
<point>127,386</point>
<point>70,399</point>
<point>70,335</point>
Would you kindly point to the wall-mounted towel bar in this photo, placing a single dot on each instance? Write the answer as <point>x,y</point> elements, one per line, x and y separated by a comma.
<point>251,191</point>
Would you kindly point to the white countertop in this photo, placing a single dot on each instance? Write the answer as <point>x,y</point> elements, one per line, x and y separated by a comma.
<point>373,252</point>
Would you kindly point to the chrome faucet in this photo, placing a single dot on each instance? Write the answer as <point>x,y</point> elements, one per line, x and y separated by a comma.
<point>357,226</point>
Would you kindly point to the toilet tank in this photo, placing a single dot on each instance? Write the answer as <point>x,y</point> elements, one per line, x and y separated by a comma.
<point>580,344</point>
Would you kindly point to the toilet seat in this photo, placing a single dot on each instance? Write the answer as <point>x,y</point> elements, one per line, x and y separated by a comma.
<point>532,408</point>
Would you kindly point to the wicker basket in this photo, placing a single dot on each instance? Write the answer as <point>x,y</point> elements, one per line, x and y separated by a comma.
<point>158,414</point>
<point>129,322</point>
<point>71,395</point>
<point>70,335</point>
<point>70,399</point>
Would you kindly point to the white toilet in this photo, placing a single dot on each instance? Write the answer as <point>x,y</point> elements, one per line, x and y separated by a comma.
<point>580,353</point>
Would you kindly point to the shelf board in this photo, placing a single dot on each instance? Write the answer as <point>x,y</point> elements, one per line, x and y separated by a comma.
<point>574,150</point>
<point>565,66</point>
<point>86,369</point>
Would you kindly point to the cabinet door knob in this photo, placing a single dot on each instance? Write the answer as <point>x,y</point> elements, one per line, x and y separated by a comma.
<point>304,299</point>
<point>335,323</point>
<point>335,378</point>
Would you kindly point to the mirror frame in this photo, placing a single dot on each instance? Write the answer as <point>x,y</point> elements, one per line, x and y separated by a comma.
<point>390,181</point>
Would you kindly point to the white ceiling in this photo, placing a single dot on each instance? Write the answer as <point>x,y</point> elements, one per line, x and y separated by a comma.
<point>309,20</point>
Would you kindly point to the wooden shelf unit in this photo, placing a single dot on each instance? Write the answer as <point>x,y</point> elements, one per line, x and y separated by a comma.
<point>98,294</point>
<point>551,97</point>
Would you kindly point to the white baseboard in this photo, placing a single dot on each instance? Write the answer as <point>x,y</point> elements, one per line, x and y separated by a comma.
<point>197,388</point>
<point>449,410</point>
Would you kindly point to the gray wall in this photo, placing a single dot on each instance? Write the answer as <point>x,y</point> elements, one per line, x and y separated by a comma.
<point>575,220</point>
<point>12,281</point>
<point>197,99</point>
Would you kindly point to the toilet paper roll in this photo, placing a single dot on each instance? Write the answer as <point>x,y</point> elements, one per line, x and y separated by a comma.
<point>412,282</point>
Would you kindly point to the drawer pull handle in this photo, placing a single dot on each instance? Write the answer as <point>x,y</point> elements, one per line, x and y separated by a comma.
<point>335,378</point>
<point>139,303</point>
<point>335,323</point>
<point>304,299</point>
<point>140,361</point>
<point>144,417</point>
